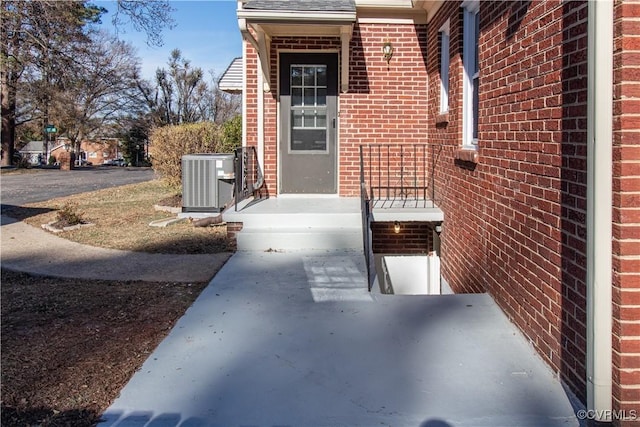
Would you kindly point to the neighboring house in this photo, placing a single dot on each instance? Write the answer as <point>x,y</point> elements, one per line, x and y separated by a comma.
<point>33,152</point>
<point>100,150</point>
<point>57,147</point>
<point>231,79</point>
<point>95,151</point>
<point>38,153</point>
<point>524,115</point>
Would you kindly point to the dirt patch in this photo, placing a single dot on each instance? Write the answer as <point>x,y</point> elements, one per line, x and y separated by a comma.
<point>174,201</point>
<point>69,346</point>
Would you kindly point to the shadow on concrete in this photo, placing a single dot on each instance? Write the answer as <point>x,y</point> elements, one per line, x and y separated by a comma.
<point>435,423</point>
<point>49,255</point>
<point>19,213</point>
<point>257,349</point>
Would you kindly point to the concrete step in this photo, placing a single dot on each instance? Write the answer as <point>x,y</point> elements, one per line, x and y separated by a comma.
<point>282,238</point>
<point>294,220</point>
<point>298,223</point>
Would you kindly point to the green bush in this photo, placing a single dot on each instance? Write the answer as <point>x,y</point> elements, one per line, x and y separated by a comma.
<point>232,134</point>
<point>168,144</point>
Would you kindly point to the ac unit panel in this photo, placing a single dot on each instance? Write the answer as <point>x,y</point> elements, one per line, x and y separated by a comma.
<point>207,182</point>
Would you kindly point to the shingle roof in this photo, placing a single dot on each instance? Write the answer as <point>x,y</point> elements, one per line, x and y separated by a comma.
<point>33,146</point>
<point>303,5</point>
<point>231,80</point>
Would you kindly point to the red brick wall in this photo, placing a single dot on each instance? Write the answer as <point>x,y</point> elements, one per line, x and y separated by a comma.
<point>386,103</point>
<point>110,147</point>
<point>413,238</point>
<point>251,106</point>
<point>626,201</point>
<point>515,220</point>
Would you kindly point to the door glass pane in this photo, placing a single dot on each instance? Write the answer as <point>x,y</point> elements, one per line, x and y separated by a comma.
<point>296,96</point>
<point>308,108</point>
<point>321,119</point>
<point>296,76</point>
<point>296,121</point>
<point>309,120</point>
<point>321,76</point>
<point>308,140</point>
<point>310,76</point>
<point>321,96</point>
<point>309,97</point>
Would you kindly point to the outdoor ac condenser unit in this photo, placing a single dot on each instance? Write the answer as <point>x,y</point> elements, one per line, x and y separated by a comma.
<point>207,182</point>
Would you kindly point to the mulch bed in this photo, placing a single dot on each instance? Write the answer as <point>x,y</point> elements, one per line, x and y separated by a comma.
<point>69,346</point>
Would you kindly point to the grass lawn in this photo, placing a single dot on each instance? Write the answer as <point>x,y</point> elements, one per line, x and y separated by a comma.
<point>69,346</point>
<point>122,215</point>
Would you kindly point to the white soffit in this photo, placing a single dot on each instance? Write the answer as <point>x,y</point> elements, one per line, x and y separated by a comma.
<point>274,16</point>
<point>388,4</point>
<point>397,12</point>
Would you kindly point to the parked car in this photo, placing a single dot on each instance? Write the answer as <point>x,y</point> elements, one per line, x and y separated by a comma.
<point>114,162</point>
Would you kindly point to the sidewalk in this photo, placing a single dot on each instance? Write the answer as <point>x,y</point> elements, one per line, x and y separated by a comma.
<point>295,339</point>
<point>33,250</point>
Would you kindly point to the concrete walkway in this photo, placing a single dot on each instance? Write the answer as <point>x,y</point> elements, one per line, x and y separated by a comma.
<point>295,339</point>
<point>33,250</point>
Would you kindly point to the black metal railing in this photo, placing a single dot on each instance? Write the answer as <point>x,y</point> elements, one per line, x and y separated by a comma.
<point>394,176</point>
<point>249,176</point>
<point>399,175</point>
<point>365,207</point>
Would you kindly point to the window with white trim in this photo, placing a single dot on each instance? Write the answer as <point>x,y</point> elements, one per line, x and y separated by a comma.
<point>471,80</point>
<point>444,68</point>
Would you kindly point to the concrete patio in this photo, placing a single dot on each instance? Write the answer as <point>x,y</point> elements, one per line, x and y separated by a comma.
<point>295,339</point>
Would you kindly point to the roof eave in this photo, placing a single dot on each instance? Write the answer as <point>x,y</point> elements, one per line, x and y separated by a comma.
<point>280,16</point>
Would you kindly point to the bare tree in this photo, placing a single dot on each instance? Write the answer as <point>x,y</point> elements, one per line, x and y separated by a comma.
<point>224,106</point>
<point>37,40</point>
<point>181,90</point>
<point>182,95</point>
<point>40,41</point>
<point>150,17</point>
<point>100,91</point>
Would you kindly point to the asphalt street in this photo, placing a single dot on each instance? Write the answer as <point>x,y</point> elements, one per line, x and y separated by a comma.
<point>35,185</point>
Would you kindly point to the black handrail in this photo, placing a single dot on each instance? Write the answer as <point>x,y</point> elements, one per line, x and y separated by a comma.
<point>365,207</point>
<point>249,176</point>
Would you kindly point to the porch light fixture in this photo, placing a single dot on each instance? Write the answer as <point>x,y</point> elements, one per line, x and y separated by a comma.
<point>387,51</point>
<point>396,227</point>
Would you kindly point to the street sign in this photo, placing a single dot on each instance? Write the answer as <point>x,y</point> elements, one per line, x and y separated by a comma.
<point>50,129</point>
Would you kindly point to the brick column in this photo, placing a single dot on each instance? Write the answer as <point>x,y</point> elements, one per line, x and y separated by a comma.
<point>67,160</point>
<point>626,210</point>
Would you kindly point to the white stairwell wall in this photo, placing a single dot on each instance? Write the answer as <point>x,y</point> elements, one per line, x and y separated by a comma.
<point>411,274</point>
